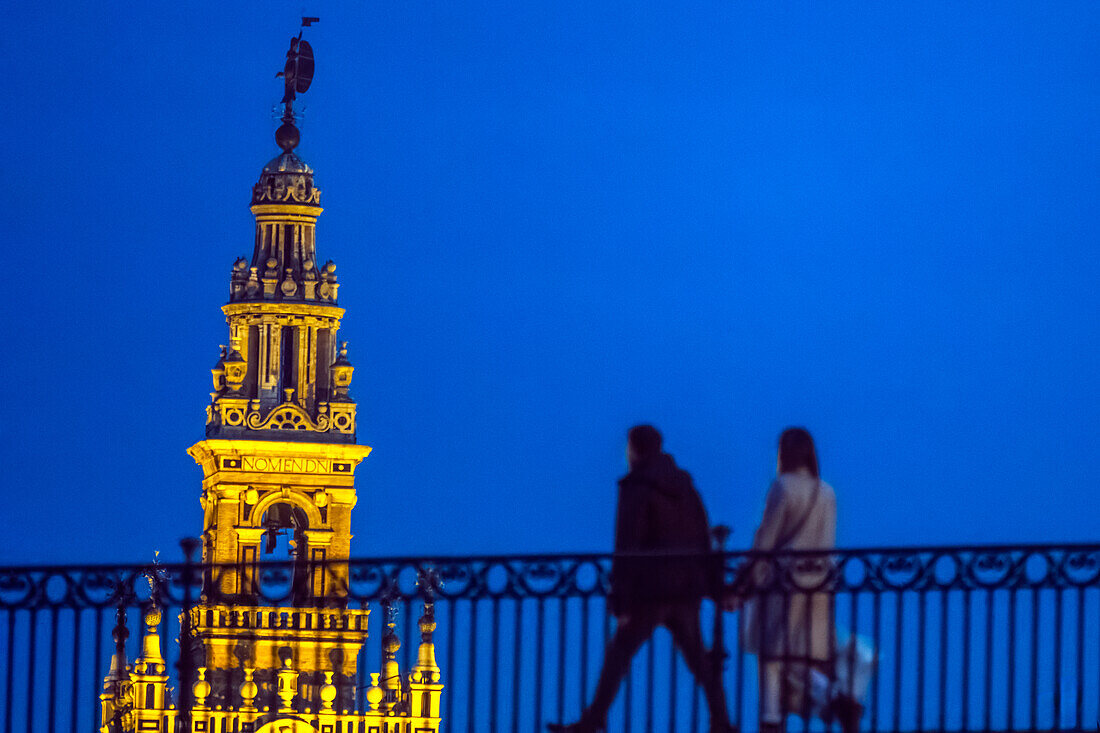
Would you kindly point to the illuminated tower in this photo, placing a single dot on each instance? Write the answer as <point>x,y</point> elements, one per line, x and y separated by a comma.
<point>280,455</point>
<point>278,465</point>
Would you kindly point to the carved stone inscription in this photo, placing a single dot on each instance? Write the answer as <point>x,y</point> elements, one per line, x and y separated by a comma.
<point>282,464</point>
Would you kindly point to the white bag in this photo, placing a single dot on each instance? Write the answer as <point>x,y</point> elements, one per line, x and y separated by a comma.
<point>853,669</point>
<point>855,666</point>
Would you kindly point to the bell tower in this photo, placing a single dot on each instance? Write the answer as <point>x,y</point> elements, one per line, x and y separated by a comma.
<point>280,452</point>
<point>283,375</point>
<point>276,648</point>
<point>280,456</point>
<point>279,462</point>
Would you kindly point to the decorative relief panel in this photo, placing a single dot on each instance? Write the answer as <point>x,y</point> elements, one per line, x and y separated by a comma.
<point>295,189</point>
<point>288,417</point>
<point>242,413</point>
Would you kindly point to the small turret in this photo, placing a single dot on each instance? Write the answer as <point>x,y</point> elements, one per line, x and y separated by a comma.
<point>119,667</point>
<point>137,697</point>
<point>425,679</point>
<point>151,658</point>
<point>114,700</point>
<point>391,671</point>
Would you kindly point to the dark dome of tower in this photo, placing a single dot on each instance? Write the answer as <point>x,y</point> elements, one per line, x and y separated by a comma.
<point>288,162</point>
<point>286,179</point>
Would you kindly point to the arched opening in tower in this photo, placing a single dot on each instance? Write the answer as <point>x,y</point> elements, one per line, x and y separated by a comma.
<point>284,539</point>
<point>288,377</point>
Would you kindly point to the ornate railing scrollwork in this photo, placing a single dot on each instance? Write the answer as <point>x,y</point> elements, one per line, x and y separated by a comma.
<point>287,416</point>
<point>925,609</point>
<point>916,569</point>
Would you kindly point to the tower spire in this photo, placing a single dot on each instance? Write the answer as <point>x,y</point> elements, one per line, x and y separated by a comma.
<point>278,464</point>
<point>282,377</point>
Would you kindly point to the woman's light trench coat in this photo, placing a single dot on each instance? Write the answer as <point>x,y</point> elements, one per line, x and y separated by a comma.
<point>793,625</point>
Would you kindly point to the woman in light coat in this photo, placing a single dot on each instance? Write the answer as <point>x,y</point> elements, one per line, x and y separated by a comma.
<point>784,622</point>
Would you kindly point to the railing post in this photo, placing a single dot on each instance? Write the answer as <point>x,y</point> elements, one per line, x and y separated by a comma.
<point>186,664</point>
<point>718,654</point>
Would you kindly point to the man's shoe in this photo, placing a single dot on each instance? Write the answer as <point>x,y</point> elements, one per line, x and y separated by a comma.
<point>724,728</point>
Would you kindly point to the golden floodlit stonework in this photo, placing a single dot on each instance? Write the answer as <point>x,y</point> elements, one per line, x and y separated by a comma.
<point>284,369</point>
<point>278,466</point>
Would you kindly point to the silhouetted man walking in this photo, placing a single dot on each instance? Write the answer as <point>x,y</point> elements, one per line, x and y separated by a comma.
<point>659,510</point>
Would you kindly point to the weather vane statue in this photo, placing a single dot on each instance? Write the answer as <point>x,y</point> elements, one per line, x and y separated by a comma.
<point>297,75</point>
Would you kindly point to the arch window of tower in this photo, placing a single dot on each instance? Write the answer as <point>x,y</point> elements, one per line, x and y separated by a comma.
<point>284,538</point>
<point>323,361</point>
<point>290,244</point>
<point>253,357</point>
<point>288,354</point>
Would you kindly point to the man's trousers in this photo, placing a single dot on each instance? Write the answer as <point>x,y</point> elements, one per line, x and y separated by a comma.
<point>682,620</point>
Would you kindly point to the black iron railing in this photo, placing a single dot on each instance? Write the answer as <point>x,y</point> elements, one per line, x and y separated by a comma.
<point>984,638</point>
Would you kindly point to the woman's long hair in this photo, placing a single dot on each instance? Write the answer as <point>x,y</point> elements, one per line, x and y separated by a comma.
<point>796,450</point>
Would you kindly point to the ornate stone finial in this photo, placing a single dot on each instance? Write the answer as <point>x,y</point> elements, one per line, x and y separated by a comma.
<point>288,686</point>
<point>288,286</point>
<point>390,643</point>
<point>238,276</point>
<point>341,371</point>
<point>252,287</point>
<point>427,669</point>
<point>201,689</point>
<point>218,372</point>
<point>235,368</point>
<point>150,648</point>
<point>427,623</point>
<point>328,694</point>
<point>249,690</point>
<point>375,693</point>
<point>391,671</point>
<point>120,634</point>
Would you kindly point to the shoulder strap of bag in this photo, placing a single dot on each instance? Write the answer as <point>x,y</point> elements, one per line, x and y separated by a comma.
<point>793,532</point>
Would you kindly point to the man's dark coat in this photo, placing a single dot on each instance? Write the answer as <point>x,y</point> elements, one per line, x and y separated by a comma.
<point>659,511</point>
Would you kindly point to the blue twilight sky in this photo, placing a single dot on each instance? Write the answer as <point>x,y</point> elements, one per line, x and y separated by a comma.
<point>554,220</point>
